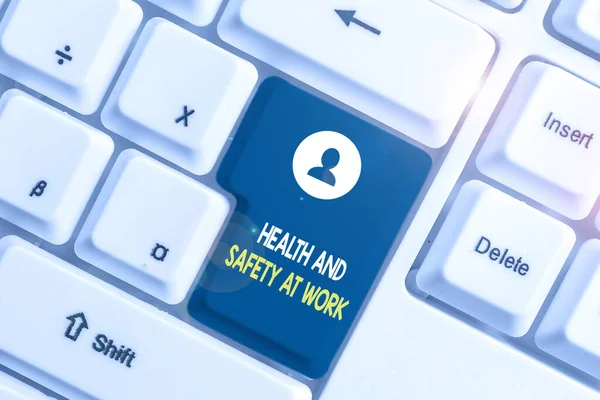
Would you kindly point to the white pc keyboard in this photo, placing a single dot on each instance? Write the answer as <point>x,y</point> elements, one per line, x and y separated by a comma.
<point>295,200</point>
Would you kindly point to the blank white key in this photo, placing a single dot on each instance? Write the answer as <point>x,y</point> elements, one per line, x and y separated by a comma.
<point>578,20</point>
<point>51,163</point>
<point>197,12</point>
<point>67,50</point>
<point>495,258</point>
<point>570,328</point>
<point>508,4</point>
<point>544,143</point>
<point>179,96</point>
<point>377,56</point>
<point>94,341</point>
<point>13,389</point>
<point>152,226</point>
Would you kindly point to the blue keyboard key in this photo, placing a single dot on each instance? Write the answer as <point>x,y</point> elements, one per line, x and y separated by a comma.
<point>321,196</point>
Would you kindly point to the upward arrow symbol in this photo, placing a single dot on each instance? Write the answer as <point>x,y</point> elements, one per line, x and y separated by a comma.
<point>348,16</point>
<point>78,323</point>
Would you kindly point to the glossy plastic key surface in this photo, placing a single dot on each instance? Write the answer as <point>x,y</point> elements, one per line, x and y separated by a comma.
<point>381,57</point>
<point>94,341</point>
<point>45,183</point>
<point>68,50</point>
<point>321,195</point>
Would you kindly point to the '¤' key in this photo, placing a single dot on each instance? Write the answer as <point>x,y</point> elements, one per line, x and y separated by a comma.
<point>321,195</point>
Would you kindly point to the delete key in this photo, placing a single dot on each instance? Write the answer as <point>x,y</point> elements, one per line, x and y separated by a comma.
<point>321,196</point>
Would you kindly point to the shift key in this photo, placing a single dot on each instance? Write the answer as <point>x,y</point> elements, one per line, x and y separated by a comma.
<point>85,339</point>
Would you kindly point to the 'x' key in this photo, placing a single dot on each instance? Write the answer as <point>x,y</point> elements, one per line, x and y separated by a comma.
<point>185,116</point>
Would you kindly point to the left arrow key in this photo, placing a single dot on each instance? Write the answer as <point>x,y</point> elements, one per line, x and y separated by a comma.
<point>77,325</point>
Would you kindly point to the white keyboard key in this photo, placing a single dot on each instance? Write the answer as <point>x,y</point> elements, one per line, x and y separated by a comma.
<point>376,56</point>
<point>569,330</point>
<point>13,389</point>
<point>152,226</point>
<point>545,144</point>
<point>495,258</point>
<point>52,163</point>
<point>578,21</point>
<point>508,4</point>
<point>68,50</point>
<point>179,96</point>
<point>94,341</point>
<point>197,12</point>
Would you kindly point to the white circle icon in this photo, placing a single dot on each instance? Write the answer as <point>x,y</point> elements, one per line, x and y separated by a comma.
<point>327,165</point>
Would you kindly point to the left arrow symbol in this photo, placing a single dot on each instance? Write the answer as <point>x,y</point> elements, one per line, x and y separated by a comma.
<point>78,324</point>
<point>348,16</point>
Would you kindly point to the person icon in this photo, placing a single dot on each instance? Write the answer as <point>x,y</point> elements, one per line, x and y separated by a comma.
<point>326,165</point>
<point>329,160</point>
